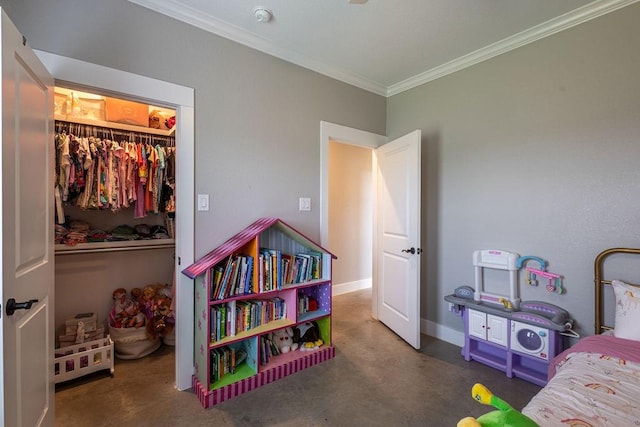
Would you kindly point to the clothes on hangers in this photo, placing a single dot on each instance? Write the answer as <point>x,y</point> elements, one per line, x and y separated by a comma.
<point>113,173</point>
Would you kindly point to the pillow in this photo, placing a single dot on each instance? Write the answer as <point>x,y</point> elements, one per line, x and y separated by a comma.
<point>627,310</point>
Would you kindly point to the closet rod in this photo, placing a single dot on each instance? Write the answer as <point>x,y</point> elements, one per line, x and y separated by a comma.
<point>85,130</point>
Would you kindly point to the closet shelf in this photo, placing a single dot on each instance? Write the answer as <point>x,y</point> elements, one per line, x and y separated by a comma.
<point>114,125</point>
<point>133,245</point>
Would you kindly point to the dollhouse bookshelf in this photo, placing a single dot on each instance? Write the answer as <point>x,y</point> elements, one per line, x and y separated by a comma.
<point>238,301</point>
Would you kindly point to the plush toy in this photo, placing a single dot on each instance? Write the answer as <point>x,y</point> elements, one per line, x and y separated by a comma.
<point>160,324</point>
<point>504,416</point>
<point>307,336</point>
<point>170,122</point>
<point>119,305</point>
<point>119,314</point>
<point>157,120</point>
<point>162,321</point>
<point>161,120</point>
<point>147,301</point>
<point>283,338</point>
<point>135,317</point>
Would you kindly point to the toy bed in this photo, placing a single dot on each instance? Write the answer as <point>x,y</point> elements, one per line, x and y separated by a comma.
<point>596,382</point>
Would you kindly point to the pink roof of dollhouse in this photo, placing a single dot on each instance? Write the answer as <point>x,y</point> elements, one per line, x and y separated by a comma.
<point>241,239</point>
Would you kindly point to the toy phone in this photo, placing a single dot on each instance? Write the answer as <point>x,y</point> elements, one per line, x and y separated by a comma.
<point>465,292</point>
<point>544,313</point>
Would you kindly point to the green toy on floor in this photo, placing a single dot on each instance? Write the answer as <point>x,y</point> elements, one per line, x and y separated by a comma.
<point>504,416</point>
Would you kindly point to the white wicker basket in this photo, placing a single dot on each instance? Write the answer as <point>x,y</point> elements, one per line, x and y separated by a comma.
<point>132,343</point>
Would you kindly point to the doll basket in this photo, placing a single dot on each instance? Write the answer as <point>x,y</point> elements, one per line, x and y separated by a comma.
<point>132,343</point>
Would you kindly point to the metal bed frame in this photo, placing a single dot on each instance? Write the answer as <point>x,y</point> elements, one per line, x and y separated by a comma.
<point>600,284</point>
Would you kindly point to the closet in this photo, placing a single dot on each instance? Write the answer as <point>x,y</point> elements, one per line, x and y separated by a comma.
<point>111,232</point>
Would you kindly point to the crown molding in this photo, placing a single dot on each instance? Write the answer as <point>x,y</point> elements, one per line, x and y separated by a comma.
<point>563,22</point>
<point>214,25</point>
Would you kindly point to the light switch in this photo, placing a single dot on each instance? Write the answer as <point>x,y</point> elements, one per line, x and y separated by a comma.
<point>203,202</point>
<point>305,203</point>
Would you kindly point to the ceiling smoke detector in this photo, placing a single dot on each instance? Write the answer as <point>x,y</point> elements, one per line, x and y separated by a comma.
<point>262,15</point>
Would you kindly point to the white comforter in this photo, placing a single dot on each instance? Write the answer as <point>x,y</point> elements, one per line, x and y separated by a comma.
<point>590,389</point>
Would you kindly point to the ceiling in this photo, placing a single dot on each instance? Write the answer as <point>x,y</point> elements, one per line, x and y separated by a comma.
<point>385,46</point>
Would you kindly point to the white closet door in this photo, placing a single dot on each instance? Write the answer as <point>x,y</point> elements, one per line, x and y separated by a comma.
<point>27,234</point>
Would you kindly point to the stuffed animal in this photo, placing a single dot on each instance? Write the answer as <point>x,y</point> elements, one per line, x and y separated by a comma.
<point>135,317</point>
<point>283,338</point>
<point>162,321</point>
<point>161,120</point>
<point>504,416</point>
<point>307,336</point>
<point>122,310</point>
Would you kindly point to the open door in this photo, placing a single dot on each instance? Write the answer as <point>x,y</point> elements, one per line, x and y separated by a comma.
<point>27,235</point>
<point>397,259</point>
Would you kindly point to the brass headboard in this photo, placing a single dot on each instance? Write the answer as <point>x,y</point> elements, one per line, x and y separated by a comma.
<point>600,283</point>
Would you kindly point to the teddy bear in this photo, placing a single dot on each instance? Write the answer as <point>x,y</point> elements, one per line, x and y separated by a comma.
<point>283,339</point>
<point>162,321</point>
<point>504,415</point>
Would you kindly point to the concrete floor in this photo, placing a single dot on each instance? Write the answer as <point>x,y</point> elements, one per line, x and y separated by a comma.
<point>375,380</point>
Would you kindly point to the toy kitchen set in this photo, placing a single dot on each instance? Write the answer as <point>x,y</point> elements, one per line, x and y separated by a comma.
<point>517,337</point>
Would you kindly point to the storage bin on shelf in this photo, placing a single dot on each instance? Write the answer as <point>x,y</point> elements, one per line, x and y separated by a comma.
<point>82,359</point>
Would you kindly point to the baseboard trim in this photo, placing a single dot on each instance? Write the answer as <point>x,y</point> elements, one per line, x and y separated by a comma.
<point>442,332</point>
<point>345,288</point>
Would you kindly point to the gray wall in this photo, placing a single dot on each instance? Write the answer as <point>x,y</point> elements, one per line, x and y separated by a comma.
<point>257,118</point>
<point>536,151</point>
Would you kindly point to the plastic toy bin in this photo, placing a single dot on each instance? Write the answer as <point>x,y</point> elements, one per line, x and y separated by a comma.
<point>82,359</point>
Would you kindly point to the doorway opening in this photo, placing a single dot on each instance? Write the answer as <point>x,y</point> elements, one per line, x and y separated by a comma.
<point>351,215</point>
<point>395,276</point>
<point>91,77</point>
<point>347,200</point>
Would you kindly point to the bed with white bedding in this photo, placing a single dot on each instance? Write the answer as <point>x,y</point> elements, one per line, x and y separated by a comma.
<point>596,382</point>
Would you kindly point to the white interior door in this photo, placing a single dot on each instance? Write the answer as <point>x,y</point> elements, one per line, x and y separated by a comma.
<point>27,234</point>
<point>398,236</point>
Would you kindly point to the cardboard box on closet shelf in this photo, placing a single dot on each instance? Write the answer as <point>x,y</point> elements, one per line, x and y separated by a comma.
<point>71,105</point>
<point>127,112</point>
